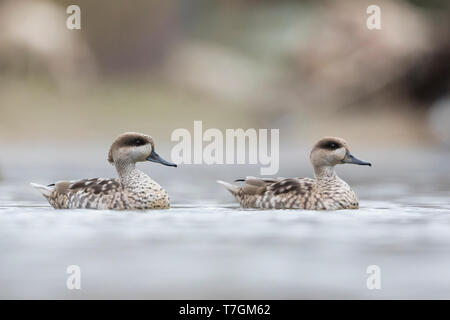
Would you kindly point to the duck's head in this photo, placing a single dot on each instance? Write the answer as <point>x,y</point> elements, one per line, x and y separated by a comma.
<point>132,147</point>
<point>330,151</point>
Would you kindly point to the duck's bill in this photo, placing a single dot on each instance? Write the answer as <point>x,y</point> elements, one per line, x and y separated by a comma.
<point>349,158</point>
<point>154,157</point>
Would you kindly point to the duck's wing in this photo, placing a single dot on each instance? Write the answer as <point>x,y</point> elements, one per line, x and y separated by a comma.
<point>270,192</point>
<point>86,193</point>
<point>252,185</point>
<point>296,187</point>
<point>255,181</point>
<point>92,186</point>
<point>288,194</point>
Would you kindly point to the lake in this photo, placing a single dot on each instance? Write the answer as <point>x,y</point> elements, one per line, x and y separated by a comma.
<point>206,247</point>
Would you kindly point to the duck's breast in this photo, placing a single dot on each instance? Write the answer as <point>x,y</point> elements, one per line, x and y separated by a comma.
<point>337,194</point>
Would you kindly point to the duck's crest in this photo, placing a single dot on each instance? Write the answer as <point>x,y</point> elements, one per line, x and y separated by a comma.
<point>46,191</point>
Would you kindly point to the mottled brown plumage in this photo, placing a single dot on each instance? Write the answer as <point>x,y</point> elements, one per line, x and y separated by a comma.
<point>133,190</point>
<point>326,192</point>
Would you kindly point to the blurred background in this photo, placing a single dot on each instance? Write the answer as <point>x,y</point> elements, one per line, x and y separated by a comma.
<point>308,68</point>
<point>311,68</point>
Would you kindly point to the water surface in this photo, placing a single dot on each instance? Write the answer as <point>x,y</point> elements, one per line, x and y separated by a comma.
<point>207,247</point>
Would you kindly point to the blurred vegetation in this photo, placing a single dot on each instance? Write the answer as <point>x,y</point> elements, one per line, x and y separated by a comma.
<point>311,68</point>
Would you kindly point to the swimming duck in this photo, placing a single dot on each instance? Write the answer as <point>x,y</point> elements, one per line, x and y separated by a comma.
<point>326,192</point>
<point>133,190</point>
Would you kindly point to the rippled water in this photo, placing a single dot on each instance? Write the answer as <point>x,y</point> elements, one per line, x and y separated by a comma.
<point>206,247</point>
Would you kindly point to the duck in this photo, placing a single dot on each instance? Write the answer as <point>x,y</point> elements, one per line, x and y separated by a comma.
<point>133,190</point>
<point>326,192</point>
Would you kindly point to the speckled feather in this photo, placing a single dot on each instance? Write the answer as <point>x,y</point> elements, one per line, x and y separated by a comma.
<point>297,193</point>
<point>97,193</point>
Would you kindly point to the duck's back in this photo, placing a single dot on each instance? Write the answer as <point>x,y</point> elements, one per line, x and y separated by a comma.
<point>95,193</point>
<point>136,191</point>
<point>277,193</point>
<point>295,193</point>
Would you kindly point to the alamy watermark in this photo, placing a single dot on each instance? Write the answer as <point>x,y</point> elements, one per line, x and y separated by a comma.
<point>233,148</point>
<point>373,22</point>
<point>373,281</point>
<point>74,279</point>
<point>73,22</point>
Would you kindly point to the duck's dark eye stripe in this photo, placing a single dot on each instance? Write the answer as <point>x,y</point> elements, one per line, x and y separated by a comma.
<point>139,142</point>
<point>330,145</point>
<point>135,142</point>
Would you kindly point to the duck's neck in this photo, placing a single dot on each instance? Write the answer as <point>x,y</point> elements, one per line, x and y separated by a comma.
<point>129,175</point>
<point>325,173</point>
<point>124,168</point>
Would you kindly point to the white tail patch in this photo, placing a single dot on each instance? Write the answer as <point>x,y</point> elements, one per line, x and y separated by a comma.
<point>46,191</point>
<point>230,187</point>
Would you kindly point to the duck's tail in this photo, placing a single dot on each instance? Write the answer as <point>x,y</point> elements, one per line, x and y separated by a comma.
<point>230,187</point>
<point>46,191</point>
